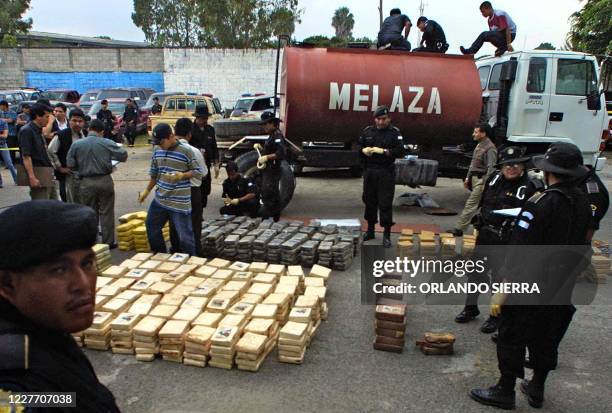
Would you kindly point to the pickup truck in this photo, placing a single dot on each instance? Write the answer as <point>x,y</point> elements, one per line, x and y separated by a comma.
<point>183,106</point>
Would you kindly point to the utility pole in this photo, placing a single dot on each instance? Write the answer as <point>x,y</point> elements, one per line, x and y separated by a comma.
<point>421,13</point>
<point>380,12</point>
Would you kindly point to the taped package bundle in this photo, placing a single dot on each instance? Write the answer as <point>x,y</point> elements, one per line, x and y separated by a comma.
<point>251,351</point>
<point>103,257</point>
<point>283,303</point>
<point>146,342</point>
<point>172,340</point>
<point>390,324</point>
<point>342,255</point>
<point>121,333</point>
<point>223,347</point>
<point>601,264</point>
<point>141,241</point>
<point>292,341</point>
<point>125,237</point>
<point>308,253</point>
<point>197,345</point>
<point>97,336</point>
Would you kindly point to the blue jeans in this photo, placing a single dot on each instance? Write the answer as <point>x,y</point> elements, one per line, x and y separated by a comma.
<point>157,218</point>
<point>6,158</point>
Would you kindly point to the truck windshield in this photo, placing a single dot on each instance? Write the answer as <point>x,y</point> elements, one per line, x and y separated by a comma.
<point>244,104</point>
<point>114,94</point>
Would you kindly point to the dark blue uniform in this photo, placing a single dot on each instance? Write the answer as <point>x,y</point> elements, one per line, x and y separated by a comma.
<point>237,188</point>
<point>205,139</point>
<point>271,175</point>
<point>391,32</point>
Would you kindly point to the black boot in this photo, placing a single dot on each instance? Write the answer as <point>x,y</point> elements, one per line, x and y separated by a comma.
<point>469,313</point>
<point>494,337</point>
<point>490,326</point>
<point>535,396</point>
<point>387,238</point>
<point>370,233</point>
<point>495,396</point>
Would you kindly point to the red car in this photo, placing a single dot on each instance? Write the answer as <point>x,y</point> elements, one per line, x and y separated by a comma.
<point>62,95</point>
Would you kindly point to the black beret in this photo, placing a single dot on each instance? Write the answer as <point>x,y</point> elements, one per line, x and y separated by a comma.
<point>35,232</point>
<point>381,111</point>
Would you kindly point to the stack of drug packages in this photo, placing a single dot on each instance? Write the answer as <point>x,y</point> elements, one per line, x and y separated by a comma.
<point>390,326</point>
<point>198,341</point>
<point>252,350</point>
<point>437,344</point>
<point>127,223</point>
<point>601,263</point>
<point>146,341</point>
<point>98,335</point>
<point>308,253</point>
<point>314,286</point>
<point>342,255</point>
<point>103,257</point>
<point>448,245</point>
<point>468,245</point>
<point>427,244</point>
<point>292,342</point>
<point>121,333</point>
<point>405,243</point>
<point>223,346</point>
<point>172,339</point>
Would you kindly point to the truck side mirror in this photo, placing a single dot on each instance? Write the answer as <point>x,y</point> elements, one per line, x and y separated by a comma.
<point>593,101</point>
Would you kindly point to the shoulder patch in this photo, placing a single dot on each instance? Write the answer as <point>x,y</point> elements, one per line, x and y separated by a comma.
<point>592,187</point>
<point>535,198</point>
<point>14,351</point>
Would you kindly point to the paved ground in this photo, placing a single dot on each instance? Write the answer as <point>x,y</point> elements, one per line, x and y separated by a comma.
<point>342,372</point>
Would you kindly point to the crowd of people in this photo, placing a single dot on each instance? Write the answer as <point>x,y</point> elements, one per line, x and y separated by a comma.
<point>393,34</point>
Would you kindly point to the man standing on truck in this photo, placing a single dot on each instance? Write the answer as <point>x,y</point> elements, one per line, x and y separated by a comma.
<point>379,146</point>
<point>501,33</point>
<point>509,187</point>
<point>390,34</point>
<point>433,40</point>
<point>273,152</point>
<point>481,167</point>
<point>203,138</point>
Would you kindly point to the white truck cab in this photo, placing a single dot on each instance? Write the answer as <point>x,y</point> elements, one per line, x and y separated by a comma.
<point>540,97</point>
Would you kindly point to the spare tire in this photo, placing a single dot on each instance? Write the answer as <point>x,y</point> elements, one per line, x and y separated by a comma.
<point>231,127</point>
<point>247,166</point>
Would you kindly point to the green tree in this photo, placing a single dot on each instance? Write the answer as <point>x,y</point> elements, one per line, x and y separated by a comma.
<point>591,30</point>
<point>343,22</point>
<point>11,22</point>
<point>318,40</point>
<point>545,46</point>
<point>169,22</point>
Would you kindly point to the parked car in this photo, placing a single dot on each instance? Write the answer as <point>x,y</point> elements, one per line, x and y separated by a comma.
<point>88,98</point>
<point>13,97</point>
<point>162,98</point>
<point>62,95</point>
<point>183,106</point>
<point>117,106</point>
<point>135,93</point>
<point>31,93</point>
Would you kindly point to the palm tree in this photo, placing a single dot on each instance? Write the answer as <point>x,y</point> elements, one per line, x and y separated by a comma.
<point>343,21</point>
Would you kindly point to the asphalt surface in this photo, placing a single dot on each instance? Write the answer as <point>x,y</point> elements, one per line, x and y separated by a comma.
<point>341,372</point>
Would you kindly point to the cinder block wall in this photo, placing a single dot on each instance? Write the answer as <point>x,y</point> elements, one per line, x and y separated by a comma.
<point>11,73</point>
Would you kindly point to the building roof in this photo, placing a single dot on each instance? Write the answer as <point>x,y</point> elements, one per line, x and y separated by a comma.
<point>57,39</point>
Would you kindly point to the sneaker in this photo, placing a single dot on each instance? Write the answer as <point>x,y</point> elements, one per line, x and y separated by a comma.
<point>495,396</point>
<point>468,314</point>
<point>369,235</point>
<point>490,326</point>
<point>500,51</point>
<point>535,397</point>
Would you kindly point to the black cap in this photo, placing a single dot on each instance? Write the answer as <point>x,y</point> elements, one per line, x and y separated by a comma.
<point>267,117</point>
<point>161,131</point>
<point>561,158</point>
<point>201,111</point>
<point>36,232</point>
<point>76,112</point>
<point>512,154</point>
<point>381,111</point>
<point>3,102</point>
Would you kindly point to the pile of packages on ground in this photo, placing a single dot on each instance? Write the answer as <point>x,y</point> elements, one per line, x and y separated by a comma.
<point>206,312</point>
<point>431,244</point>
<point>284,242</point>
<point>602,264</point>
<point>132,233</point>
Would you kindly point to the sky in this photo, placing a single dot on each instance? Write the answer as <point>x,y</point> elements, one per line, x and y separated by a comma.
<point>461,19</point>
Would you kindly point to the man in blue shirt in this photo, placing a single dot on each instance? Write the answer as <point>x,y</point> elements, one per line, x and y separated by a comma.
<point>6,158</point>
<point>10,118</point>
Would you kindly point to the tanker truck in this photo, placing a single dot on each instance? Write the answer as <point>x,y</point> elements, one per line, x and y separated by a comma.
<point>534,98</point>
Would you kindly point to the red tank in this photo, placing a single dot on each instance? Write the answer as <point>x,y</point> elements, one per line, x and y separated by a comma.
<point>330,94</point>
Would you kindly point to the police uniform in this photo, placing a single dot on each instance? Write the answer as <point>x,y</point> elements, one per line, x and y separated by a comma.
<point>494,229</point>
<point>433,39</point>
<point>130,117</point>
<point>598,195</point>
<point>554,223</point>
<point>379,172</point>
<point>271,174</point>
<point>156,108</point>
<point>204,139</point>
<point>237,188</point>
<point>33,358</point>
<point>107,117</point>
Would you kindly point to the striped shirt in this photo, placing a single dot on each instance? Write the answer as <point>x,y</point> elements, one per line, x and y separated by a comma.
<point>175,196</point>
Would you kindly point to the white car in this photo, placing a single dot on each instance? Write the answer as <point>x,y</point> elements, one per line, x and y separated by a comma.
<point>253,106</point>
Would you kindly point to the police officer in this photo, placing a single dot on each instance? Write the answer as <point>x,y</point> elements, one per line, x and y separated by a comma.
<point>47,291</point>
<point>156,108</point>
<point>379,146</point>
<point>509,187</point>
<point>434,39</point>
<point>130,118</point>
<point>549,245</point>
<point>203,138</point>
<point>239,194</point>
<point>106,116</point>
<point>273,153</point>
<point>390,34</point>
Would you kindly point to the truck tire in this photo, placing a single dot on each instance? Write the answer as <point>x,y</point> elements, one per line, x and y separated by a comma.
<point>247,166</point>
<point>230,127</point>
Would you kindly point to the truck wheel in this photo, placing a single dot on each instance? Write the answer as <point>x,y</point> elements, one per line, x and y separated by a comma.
<point>230,127</point>
<point>247,166</point>
<point>297,169</point>
<point>356,171</point>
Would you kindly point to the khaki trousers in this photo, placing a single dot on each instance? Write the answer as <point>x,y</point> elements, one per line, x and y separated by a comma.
<point>471,205</point>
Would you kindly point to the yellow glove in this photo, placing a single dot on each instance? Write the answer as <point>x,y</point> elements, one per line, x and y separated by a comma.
<point>263,159</point>
<point>497,300</point>
<point>175,177</point>
<point>257,147</point>
<point>367,151</point>
<point>226,201</point>
<point>235,201</point>
<point>143,195</point>
<point>378,151</point>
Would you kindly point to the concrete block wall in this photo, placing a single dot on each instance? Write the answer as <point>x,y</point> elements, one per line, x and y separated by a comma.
<point>226,73</point>
<point>11,74</point>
